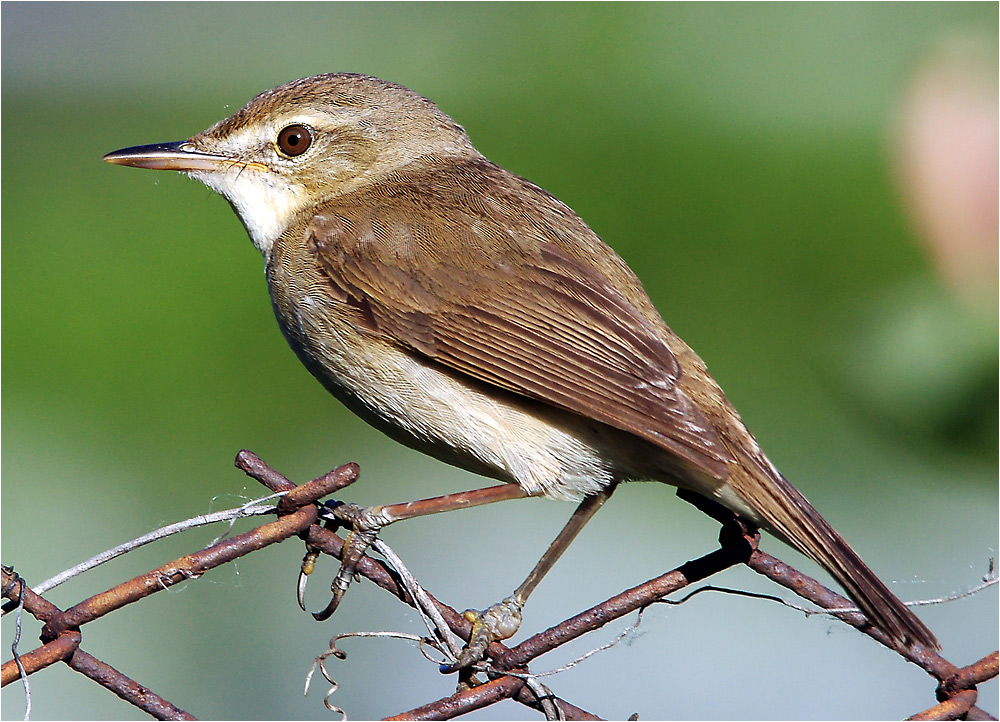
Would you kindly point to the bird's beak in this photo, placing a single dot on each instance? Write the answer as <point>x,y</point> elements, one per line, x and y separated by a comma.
<point>181,156</point>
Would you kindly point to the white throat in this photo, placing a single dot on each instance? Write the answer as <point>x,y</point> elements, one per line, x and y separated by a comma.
<point>265,203</point>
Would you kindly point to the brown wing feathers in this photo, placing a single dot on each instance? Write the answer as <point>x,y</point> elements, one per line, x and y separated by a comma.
<point>576,342</point>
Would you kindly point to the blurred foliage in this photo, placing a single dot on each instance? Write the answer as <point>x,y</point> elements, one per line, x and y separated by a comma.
<point>735,155</point>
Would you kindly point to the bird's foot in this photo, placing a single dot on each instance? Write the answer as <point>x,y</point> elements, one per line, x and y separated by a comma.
<point>365,524</point>
<point>498,622</point>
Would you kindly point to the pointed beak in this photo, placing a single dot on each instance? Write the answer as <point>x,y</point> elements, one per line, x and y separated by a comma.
<point>180,156</point>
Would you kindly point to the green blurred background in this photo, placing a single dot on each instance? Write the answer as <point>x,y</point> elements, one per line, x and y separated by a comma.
<point>749,162</point>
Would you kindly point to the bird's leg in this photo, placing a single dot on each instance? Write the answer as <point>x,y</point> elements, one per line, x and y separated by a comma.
<point>366,522</point>
<point>502,620</point>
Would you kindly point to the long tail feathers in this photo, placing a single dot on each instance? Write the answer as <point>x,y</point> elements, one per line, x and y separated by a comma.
<point>790,516</point>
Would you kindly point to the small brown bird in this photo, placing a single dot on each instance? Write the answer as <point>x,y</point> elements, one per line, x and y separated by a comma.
<point>471,315</point>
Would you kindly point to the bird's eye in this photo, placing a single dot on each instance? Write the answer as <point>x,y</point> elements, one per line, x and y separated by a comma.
<point>294,140</point>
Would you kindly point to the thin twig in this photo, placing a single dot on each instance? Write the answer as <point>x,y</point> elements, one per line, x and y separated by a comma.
<point>334,651</point>
<point>251,508</point>
<point>428,610</point>
<point>17,579</point>
<point>619,638</point>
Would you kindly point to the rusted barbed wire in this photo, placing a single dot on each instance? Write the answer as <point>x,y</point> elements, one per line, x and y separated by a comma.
<point>298,515</point>
<point>66,648</point>
<point>59,624</point>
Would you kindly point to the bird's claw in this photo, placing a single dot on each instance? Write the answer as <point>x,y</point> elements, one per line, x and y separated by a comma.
<point>365,524</point>
<point>498,622</point>
<point>308,565</point>
<point>338,588</point>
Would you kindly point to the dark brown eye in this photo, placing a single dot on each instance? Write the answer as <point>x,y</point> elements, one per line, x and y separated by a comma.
<point>294,140</point>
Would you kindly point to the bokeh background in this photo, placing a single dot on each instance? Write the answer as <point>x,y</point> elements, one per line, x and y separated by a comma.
<point>808,192</point>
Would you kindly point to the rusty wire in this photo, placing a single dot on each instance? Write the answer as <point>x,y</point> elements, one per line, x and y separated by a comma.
<point>298,515</point>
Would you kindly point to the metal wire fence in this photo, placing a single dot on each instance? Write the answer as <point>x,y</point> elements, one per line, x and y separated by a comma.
<point>505,674</point>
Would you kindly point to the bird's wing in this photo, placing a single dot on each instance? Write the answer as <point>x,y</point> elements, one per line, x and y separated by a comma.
<point>490,285</point>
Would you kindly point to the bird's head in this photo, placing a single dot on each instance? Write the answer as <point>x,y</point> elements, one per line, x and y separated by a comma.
<point>305,142</point>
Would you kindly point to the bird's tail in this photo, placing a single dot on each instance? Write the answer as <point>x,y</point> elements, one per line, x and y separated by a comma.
<point>789,516</point>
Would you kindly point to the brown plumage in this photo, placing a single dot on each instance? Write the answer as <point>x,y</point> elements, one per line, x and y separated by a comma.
<point>472,315</point>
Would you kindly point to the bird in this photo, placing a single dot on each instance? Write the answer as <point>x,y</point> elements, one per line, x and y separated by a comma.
<point>470,314</point>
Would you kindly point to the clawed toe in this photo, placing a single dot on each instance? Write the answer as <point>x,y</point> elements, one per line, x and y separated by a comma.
<point>364,523</point>
<point>498,622</point>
